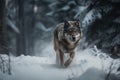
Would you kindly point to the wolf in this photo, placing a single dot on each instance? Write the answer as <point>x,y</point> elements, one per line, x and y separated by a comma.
<point>67,37</point>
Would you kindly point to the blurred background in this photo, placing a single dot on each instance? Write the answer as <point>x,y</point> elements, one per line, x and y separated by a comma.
<point>27,26</point>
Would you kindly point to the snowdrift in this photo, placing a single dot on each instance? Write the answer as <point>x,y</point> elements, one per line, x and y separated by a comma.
<point>90,64</point>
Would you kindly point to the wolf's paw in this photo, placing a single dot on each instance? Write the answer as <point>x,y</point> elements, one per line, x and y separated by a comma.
<point>66,64</point>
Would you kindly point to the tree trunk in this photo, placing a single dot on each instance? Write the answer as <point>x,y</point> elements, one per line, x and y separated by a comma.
<point>21,36</point>
<point>29,33</point>
<point>4,49</point>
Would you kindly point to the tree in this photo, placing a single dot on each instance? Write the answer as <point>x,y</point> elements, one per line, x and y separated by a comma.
<point>4,49</point>
<point>29,27</point>
<point>20,23</point>
<point>4,46</point>
<point>104,31</point>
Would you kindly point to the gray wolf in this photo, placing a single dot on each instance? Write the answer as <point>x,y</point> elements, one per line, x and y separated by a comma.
<point>67,37</point>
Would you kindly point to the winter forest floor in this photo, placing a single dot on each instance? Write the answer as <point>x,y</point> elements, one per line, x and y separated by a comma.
<point>90,64</point>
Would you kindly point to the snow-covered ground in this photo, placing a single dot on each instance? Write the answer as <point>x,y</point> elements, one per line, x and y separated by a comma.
<point>90,64</point>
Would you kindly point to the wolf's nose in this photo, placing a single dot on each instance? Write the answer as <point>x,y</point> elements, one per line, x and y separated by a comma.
<point>74,38</point>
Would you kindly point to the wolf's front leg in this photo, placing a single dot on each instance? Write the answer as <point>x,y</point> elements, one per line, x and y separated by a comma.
<point>61,58</point>
<point>57,57</point>
<point>67,63</point>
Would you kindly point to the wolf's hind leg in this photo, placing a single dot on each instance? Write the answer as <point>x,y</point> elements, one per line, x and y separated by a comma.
<point>67,63</point>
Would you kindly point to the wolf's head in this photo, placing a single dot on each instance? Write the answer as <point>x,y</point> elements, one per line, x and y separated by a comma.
<point>72,31</point>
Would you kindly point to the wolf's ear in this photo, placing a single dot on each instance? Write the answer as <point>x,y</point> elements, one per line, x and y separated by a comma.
<point>77,23</point>
<point>66,24</point>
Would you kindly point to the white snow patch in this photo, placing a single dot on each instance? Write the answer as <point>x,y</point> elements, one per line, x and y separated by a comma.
<point>85,66</point>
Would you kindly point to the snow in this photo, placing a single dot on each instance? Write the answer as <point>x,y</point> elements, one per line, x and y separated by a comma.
<point>90,64</point>
<point>91,17</point>
<point>91,74</point>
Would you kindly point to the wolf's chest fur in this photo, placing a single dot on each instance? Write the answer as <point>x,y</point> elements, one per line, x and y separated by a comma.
<point>67,47</point>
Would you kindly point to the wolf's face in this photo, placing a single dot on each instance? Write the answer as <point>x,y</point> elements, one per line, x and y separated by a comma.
<point>72,31</point>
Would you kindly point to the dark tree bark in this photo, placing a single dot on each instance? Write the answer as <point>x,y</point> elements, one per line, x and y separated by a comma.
<point>21,36</point>
<point>29,27</point>
<point>31,32</point>
<point>4,46</point>
<point>4,49</point>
